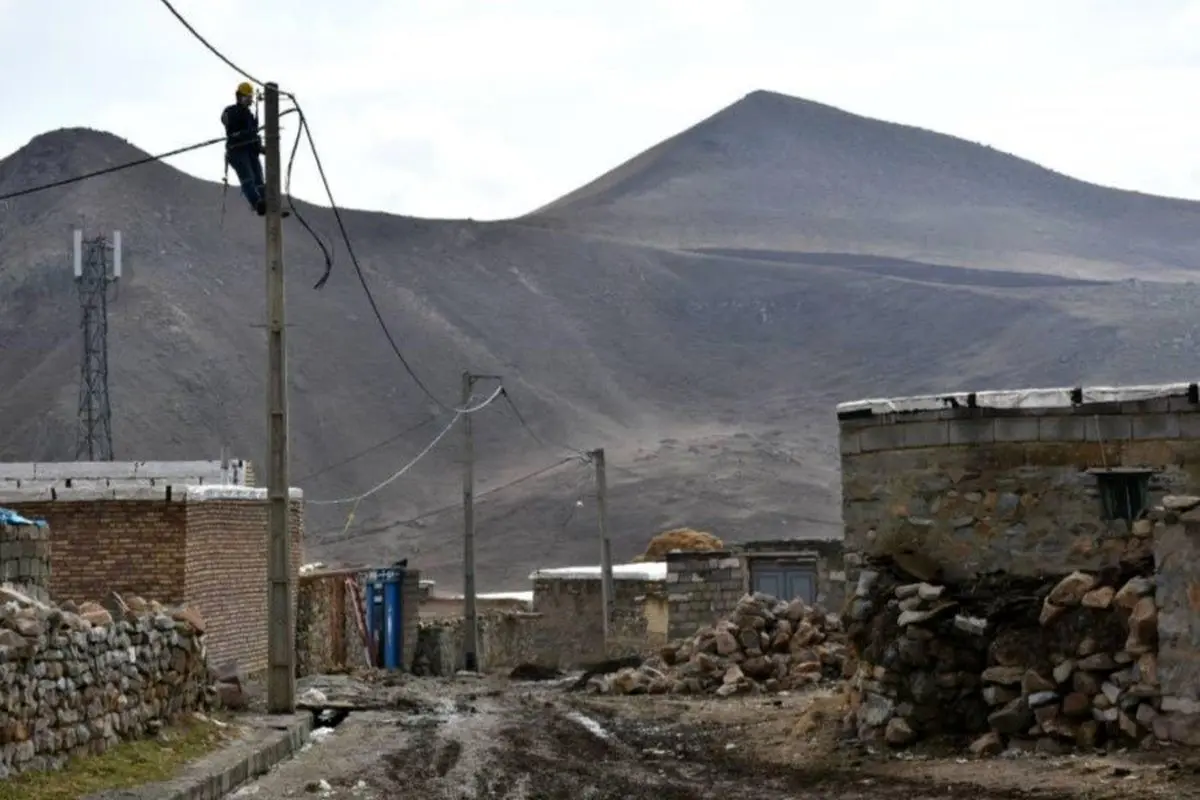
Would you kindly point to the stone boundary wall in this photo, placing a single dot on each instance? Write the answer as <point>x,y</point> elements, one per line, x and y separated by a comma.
<point>74,681</point>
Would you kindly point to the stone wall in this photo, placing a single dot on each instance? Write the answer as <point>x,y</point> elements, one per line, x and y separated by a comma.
<point>25,559</point>
<point>976,485</point>
<point>203,546</point>
<point>1023,662</point>
<point>505,639</point>
<point>1176,554</point>
<point>705,586</point>
<point>74,684</point>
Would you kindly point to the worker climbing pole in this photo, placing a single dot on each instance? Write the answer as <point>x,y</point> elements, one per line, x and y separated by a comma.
<point>244,148</point>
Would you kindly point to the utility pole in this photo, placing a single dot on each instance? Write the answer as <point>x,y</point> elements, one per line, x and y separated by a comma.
<point>281,651</point>
<point>606,573</point>
<point>470,635</point>
<point>93,440</point>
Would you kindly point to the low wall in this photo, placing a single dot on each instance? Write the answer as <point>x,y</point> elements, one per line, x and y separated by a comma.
<point>1176,554</point>
<point>571,629</point>
<point>505,639</point>
<point>74,684</point>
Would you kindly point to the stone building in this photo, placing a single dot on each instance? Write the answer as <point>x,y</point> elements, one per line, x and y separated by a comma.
<point>704,586</point>
<point>1031,482</point>
<point>167,531</point>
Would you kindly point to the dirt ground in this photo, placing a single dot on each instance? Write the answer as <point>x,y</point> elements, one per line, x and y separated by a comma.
<point>489,739</point>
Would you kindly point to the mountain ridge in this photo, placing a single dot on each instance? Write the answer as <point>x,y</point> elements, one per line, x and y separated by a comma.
<point>707,369</point>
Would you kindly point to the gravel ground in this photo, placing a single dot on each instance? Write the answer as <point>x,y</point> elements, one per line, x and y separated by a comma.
<point>491,740</point>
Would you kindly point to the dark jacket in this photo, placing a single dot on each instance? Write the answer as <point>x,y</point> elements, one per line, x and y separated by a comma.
<point>241,128</point>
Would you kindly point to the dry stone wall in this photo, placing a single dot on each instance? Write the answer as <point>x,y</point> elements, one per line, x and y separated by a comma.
<point>75,680</point>
<point>1026,662</point>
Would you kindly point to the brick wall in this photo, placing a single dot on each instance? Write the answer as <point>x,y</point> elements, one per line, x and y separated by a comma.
<point>226,574</point>
<point>1010,489</point>
<point>132,547</point>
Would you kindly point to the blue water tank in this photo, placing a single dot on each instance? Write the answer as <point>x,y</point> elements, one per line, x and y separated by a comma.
<point>384,601</point>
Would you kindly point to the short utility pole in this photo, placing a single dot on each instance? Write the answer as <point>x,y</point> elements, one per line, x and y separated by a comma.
<point>281,635</point>
<point>606,573</point>
<point>471,634</point>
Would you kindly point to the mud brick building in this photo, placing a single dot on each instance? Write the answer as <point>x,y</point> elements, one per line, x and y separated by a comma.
<point>178,532</point>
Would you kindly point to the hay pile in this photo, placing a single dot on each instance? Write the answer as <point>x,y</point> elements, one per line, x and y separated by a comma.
<point>678,539</point>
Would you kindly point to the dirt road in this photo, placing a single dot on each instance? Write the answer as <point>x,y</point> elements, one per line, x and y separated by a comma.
<point>491,741</point>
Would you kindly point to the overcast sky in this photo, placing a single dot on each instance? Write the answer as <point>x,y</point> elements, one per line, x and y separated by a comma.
<point>490,108</point>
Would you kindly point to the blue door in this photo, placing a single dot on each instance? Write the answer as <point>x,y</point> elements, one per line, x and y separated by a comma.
<point>785,581</point>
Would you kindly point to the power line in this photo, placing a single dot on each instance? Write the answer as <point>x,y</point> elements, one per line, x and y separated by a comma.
<point>109,170</point>
<point>371,449</point>
<point>453,506</point>
<point>212,49</point>
<point>356,499</point>
<point>534,435</point>
<point>337,214</point>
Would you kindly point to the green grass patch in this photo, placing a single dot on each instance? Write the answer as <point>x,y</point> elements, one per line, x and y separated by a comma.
<point>127,765</point>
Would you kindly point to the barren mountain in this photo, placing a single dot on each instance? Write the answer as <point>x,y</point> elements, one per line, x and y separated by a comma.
<point>709,374</point>
<point>776,172</point>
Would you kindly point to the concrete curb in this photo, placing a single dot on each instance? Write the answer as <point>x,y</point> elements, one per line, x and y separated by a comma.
<point>271,740</point>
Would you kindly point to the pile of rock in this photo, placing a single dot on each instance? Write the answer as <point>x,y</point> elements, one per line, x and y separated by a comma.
<point>76,679</point>
<point>1025,662</point>
<point>766,645</point>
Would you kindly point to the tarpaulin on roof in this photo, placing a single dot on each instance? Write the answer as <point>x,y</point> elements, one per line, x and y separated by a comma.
<point>10,517</point>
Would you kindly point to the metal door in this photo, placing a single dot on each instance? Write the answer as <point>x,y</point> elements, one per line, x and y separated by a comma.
<point>785,581</point>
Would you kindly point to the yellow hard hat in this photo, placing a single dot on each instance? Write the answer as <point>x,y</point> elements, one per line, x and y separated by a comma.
<point>245,88</point>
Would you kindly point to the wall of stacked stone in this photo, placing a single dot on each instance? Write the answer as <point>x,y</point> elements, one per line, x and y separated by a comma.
<point>1176,556</point>
<point>74,681</point>
<point>982,489</point>
<point>25,559</point>
<point>1025,662</point>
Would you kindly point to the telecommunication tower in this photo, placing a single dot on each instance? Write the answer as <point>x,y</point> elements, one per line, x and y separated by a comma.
<point>93,277</point>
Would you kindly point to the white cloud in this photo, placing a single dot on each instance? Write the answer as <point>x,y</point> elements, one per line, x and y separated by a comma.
<point>467,108</point>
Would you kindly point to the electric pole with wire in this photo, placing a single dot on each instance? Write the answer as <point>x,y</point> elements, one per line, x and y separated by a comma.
<point>470,634</point>
<point>606,572</point>
<point>93,441</point>
<point>281,651</point>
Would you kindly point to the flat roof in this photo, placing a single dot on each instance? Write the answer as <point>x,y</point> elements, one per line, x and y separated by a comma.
<point>648,571</point>
<point>1062,397</point>
<point>82,491</point>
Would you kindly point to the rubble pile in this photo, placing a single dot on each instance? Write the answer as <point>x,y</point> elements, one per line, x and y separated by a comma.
<point>766,645</point>
<point>1022,662</point>
<point>77,679</point>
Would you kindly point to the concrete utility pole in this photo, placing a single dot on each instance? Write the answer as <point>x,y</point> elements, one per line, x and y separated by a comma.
<point>281,651</point>
<point>470,635</point>
<point>606,574</point>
